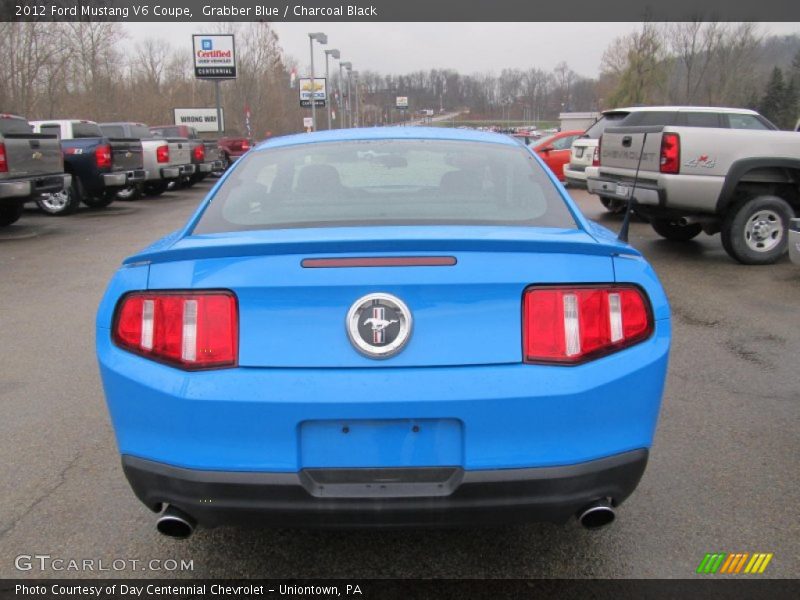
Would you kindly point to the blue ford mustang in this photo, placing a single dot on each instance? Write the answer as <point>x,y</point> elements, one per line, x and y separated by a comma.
<point>390,326</point>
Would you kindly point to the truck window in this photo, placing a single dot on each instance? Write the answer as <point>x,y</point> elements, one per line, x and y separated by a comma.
<point>701,119</point>
<point>649,117</point>
<point>14,126</point>
<point>86,130</point>
<point>608,120</point>
<point>747,122</point>
<point>52,129</point>
<point>113,131</point>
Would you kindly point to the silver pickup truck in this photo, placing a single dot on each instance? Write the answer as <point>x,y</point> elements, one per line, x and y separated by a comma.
<point>31,164</point>
<point>741,183</point>
<point>164,159</point>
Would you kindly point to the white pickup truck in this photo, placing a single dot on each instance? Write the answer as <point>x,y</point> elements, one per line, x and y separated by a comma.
<point>743,183</point>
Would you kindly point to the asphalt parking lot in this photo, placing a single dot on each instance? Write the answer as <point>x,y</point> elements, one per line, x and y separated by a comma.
<point>722,475</point>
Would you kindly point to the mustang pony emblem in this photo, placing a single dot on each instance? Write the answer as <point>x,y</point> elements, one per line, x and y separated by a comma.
<point>378,325</point>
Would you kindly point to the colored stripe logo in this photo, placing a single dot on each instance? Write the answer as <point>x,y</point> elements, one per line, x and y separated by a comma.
<point>734,563</point>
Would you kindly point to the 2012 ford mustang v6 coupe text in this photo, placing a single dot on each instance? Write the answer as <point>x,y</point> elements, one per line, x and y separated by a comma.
<point>390,326</point>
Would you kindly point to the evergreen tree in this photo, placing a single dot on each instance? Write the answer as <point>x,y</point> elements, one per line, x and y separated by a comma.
<point>772,103</point>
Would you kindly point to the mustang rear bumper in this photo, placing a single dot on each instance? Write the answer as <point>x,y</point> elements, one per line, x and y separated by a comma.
<point>385,496</point>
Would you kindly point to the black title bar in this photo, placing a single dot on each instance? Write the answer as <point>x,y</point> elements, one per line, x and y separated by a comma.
<point>399,10</point>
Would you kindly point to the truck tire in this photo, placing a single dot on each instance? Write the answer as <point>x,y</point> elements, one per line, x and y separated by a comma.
<point>102,200</point>
<point>671,229</point>
<point>226,162</point>
<point>155,189</point>
<point>613,205</point>
<point>62,203</point>
<point>10,213</point>
<point>756,231</point>
<point>132,192</point>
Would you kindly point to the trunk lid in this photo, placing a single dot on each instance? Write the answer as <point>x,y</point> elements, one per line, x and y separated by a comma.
<point>582,153</point>
<point>126,154</point>
<point>464,314</point>
<point>622,147</point>
<point>179,151</point>
<point>31,155</point>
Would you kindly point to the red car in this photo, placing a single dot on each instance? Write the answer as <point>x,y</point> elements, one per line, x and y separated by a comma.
<point>554,150</point>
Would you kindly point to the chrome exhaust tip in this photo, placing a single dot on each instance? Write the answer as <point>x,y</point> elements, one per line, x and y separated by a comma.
<point>596,515</point>
<point>175,523</point>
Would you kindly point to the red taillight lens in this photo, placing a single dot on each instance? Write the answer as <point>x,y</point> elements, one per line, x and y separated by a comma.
<point>162,154</point>
<point>245,145</point>
<point>192,330</point>
<point>102,156</point>
<point>670,153</point>
<point>596,156</point>
<point>574,324</point>
<point>199,153</point>
<point>3,159</point>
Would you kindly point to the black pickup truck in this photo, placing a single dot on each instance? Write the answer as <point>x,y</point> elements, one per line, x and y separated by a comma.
<point>100,166</point>
<point>30,164</point>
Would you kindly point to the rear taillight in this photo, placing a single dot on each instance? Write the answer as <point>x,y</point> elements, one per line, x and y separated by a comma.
<point>199,153</point>
<point>245,145</point>
<point>570,325</point>
<point>670,153</point>
<point>596,155</point>
<point>190,330</point>
<point>162,154</point>
<point>102,156</point>
<point>3,159</point>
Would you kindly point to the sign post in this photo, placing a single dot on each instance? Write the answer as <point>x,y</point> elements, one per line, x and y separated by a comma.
<point>401,103</point>
<point>215,59</point>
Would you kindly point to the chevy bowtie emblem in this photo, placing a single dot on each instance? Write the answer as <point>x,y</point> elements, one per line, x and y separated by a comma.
<point>36,155</point>
<point>128,154</point>
<point>379,325</point>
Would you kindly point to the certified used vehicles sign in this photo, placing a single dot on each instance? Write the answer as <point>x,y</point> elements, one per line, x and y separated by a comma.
<point>214,56</point>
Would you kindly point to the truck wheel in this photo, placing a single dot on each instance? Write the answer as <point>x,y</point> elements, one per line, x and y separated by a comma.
<point>106,198</point>
<point>133,192</point>
<point>672,229</point>
<point>64,202</point>
<point>226,162</point>
<point>155,189</point>
<point>613,205</point>
<point>10,213</point>
<point>755,232</point>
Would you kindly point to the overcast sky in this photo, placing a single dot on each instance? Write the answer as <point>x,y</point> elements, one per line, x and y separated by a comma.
<point>467,47</point>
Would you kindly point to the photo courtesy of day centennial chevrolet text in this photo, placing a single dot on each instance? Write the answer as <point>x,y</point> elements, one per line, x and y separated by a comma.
<point>384,326</point>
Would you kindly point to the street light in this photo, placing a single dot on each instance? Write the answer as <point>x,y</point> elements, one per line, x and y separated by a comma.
<point>335,54</point>
<point>349,66</point>
<point>358,107</point>
<point>322,39</point>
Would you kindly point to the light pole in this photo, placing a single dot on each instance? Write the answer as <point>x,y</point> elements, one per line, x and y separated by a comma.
<point>349,107</point>
<point>342,105</point>
<point>322,39</point>
<point>358,107</point>
<point>335,54</point>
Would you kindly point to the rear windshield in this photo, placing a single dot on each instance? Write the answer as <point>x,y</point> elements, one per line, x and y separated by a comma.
<point>608,120</point>
<point>166,132</point>
<point>138,132</point>
<point>649,117</point>
<point>15,126</point>
<point>386,182</point>
<point>86,130</point>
